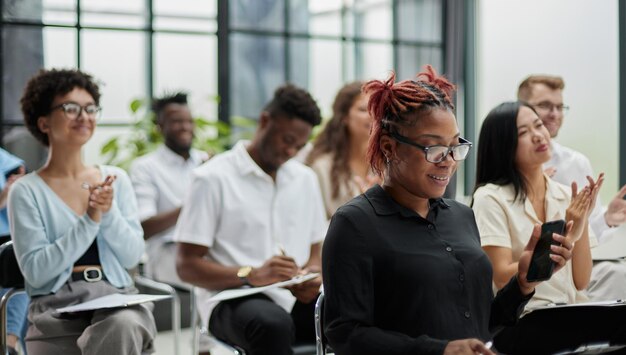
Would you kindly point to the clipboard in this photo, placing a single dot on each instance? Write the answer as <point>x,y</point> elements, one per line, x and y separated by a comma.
<point>613,303</point>
<point>115,300</point>
<point>247,291</point>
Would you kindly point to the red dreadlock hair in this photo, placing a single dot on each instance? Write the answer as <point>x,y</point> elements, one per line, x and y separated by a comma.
<point>394,104</point>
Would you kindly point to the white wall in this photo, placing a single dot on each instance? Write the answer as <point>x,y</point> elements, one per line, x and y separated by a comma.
<point>576,39</point>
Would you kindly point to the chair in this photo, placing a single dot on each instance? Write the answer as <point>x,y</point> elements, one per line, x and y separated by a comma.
<point>171,291</point>
<point>200,330</point>
<point>214,343</point>
<point>10,278</point>
<point>321,345</point>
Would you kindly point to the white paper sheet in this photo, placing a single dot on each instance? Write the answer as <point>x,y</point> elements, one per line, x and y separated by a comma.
<point>115,300</point>
<point>613,246</point>
<point>584,304</point>
<point>247,291</point>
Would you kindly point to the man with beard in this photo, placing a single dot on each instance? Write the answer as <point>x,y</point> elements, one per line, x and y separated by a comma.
<point>255,217</point>
<point>160,180</point>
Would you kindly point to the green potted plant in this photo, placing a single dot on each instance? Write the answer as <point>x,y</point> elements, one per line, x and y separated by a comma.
<point>212,136</point>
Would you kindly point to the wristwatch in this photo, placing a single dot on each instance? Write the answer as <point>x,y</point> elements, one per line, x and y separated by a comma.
<point>243,274</point>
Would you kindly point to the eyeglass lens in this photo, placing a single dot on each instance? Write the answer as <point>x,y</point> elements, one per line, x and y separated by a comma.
<point>73,110</point>
<point>438,153</point>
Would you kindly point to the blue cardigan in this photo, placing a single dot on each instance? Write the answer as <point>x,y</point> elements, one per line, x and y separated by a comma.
<point>49,236</point>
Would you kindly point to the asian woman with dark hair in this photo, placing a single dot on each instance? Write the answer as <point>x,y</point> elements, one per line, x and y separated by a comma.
<point>512,198</point>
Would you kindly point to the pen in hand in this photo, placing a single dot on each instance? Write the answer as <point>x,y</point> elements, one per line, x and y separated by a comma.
<point>281,250</point>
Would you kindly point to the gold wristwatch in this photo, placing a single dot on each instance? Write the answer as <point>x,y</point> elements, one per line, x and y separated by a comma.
<point>243,274</point>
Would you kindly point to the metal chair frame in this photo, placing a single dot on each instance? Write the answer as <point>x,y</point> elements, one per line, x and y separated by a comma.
<point>140,280</point>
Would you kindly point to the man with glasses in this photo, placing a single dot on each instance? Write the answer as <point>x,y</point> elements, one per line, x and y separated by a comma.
<point>545,94</point>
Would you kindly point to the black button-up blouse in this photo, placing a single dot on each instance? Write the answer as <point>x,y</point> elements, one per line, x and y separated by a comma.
<point>397,283</point>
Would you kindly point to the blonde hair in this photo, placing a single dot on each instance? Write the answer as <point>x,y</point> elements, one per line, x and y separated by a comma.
<point>526,87</point>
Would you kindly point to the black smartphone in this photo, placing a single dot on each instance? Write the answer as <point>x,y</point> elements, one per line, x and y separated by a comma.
<point>541,266</point>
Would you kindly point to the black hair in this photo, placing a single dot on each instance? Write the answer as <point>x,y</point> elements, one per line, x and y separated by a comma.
<point>159,103</point>
<point>497,145</point>
<point>44,87</point>
<point>293,102</point>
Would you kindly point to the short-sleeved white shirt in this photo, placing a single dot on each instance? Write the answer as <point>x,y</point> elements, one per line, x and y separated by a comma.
<point>507,223</point>
<point>236,210</point>
<point>160,180</point>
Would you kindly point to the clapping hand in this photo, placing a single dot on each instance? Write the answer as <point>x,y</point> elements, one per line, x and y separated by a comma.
<point>100,198</point>
<point>581,206</point>
<point>616,210</point>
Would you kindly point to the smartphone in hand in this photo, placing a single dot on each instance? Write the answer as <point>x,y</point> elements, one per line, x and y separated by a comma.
<point>541,266</point>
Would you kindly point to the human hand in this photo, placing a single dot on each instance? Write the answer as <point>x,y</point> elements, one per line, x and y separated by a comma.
<point>581,206</point>
<point>4,194</point>
<point>577,211</point>
<point>616,210</point>
<point>308,291</point>
<point>100,198</point>
<point>559,254</point>
<point>467,346</point>
<point>595,190</point>
<point>277,268</point>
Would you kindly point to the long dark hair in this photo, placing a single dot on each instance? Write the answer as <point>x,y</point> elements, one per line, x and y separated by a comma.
<point>335,139</point>
<point>497,144</point>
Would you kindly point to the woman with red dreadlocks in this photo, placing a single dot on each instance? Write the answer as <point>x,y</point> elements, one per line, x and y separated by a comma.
<point>404,272</point>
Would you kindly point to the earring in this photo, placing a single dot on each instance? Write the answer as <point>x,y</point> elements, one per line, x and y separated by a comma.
<point>387,161</point>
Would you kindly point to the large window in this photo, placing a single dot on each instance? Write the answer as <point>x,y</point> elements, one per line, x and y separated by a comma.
<point>135,48</point>
<point>237,50</point>
<point>323,44</point>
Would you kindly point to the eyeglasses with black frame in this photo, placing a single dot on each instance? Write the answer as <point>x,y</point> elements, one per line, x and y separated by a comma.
<point>437,153</point>
<point>73,110</point>
<point>547,106</point>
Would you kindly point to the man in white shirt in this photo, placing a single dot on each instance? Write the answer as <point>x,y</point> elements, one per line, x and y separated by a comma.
<point>160,180</point>
<point>545,94</point>
<point>254,217</point>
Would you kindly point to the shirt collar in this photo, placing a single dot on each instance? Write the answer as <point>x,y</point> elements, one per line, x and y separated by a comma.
<point>552,190</point>
<point>384,205</point>
<point>246,165</point>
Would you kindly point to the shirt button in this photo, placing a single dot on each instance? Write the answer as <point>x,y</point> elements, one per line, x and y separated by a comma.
<point>431,227</point>
<point>462,277</point>
<point>448,248</point>
<point>466,314</point>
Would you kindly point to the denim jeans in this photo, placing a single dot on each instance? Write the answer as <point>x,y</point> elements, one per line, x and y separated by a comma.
<point>16,315</point>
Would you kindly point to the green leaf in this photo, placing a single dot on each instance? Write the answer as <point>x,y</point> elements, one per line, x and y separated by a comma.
<point>109,146</point>
<point>136,104</point>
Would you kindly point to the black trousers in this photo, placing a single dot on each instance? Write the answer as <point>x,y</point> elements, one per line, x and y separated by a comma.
<point>555,330</point>
<point>259,326</point>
